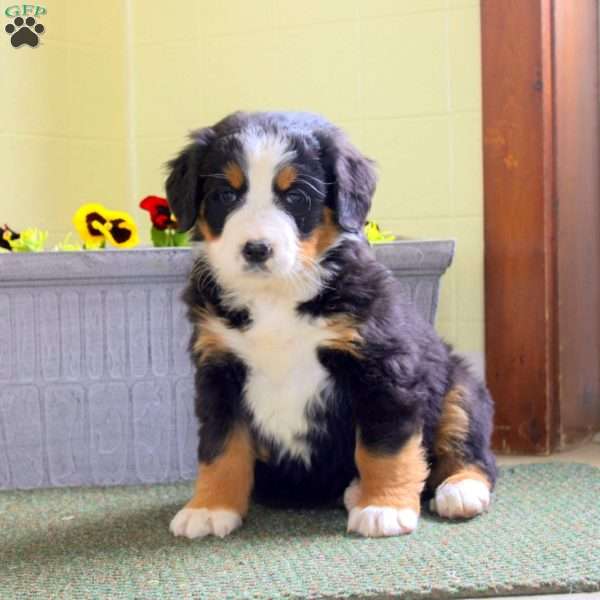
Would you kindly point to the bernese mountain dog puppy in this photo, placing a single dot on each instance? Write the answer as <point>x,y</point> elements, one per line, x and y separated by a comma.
<point>315,381</point>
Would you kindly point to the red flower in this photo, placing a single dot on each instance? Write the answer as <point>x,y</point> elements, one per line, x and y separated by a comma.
<point>160,212</point>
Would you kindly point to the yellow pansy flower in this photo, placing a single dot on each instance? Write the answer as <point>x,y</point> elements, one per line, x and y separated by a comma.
<point>97,225</point>
<point>374,234</point>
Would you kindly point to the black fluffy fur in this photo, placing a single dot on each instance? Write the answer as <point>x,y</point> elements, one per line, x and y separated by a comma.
<point>397,384</point>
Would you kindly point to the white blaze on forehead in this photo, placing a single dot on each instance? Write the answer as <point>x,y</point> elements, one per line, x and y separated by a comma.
<point>259,217</point>
<point>265,153</point>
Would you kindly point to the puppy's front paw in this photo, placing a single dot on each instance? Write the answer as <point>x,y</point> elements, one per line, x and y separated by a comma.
<point>379,521</point>
<point>199,522</point>
<point>461,500</point>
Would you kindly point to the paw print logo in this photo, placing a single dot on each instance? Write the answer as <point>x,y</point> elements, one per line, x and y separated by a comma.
<point>24,31</point>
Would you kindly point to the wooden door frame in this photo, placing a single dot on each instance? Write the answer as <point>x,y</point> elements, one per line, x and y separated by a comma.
<point>527,111</point>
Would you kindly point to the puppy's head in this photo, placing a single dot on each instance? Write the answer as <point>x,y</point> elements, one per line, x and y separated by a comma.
<point>269,193</point>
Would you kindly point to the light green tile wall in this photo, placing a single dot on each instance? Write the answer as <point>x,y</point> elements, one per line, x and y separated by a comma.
<point>62,117</point>
<point>402,76</point>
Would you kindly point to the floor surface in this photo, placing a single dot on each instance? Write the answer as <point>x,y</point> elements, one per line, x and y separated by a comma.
<point>588,454</point>
<point>590,596</point>
<point>115,543</point>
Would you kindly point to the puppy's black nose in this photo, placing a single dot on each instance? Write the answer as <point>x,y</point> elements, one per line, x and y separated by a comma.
<point>257,251</point>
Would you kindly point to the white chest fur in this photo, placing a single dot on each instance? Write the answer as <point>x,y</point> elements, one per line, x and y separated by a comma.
<point>285,376</point>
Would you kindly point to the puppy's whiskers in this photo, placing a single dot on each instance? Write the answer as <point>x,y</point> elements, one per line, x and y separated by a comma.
<point>214,175</point>
<point>310,185</point>
<point>305,280</point>
<point>317,179</point>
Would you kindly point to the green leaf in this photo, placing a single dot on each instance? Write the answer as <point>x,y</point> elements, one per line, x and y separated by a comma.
<point>31,240</point>
<point>94,246</point>
<point>159,238</point>
<point>180,239</point>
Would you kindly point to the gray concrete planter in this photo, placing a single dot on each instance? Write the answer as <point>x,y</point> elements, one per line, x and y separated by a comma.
<point>95,379</point>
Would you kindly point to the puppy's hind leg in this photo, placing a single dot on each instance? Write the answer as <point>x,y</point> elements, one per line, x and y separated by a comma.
<point>463,471</point>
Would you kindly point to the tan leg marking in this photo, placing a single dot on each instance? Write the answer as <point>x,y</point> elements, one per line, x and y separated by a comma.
<point>321,238</point>
<point>462,490</point>
<point>443,468</point>
<point>395,481</point>
<point>469,472</point>
<point>462,495</point>
<point>226,483</point>
<point>387,499</point>
<point>452,431</point>
<point>453,426</point>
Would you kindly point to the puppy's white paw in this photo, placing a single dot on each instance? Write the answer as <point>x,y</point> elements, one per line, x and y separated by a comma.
<point>199,522</point>
<point>352,494</point>
<point>461,500</point>
<point>379,521</point>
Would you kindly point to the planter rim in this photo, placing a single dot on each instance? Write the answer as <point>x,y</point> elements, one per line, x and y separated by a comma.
<point>91,266</point>
<point>408,256</point>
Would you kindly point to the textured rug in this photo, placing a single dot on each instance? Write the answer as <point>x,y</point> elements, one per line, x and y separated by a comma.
<point>542,535</point>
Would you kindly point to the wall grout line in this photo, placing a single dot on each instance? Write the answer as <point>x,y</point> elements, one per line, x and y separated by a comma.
<point>451,147</point>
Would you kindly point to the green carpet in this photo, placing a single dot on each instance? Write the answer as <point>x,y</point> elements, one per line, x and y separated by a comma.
<point>542,535</point>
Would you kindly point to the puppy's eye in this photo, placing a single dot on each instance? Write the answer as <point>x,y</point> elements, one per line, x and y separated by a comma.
<point>227,197</point>
<point>296,199</point>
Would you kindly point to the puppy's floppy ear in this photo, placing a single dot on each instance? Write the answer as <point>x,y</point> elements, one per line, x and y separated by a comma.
<point>184,183</point>
<point>353,176</point>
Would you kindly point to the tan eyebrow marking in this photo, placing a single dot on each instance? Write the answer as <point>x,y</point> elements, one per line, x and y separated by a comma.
<point>286,177</point>
<point>234,175</point>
